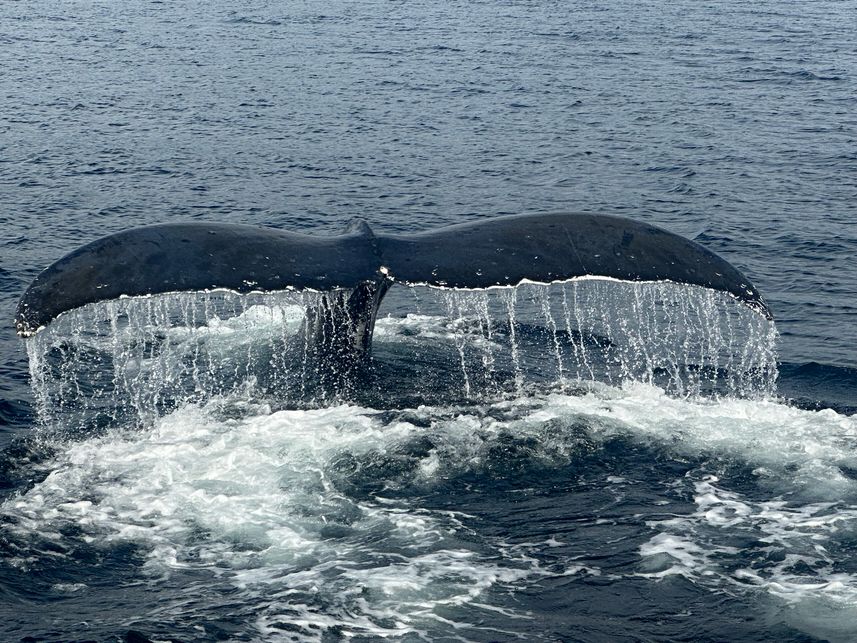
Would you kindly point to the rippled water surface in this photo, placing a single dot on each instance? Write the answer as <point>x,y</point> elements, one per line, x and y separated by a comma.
<point>465,491</point>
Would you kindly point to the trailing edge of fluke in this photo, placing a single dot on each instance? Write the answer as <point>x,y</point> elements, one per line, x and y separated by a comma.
<point>484,253</point>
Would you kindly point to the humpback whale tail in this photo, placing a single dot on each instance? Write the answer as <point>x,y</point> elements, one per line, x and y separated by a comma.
<point>354,270</point>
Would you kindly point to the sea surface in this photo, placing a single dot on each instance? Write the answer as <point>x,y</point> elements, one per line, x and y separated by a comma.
<point>547,463</point>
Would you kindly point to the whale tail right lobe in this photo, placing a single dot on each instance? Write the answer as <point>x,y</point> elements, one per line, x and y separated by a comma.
<point>547,248</point>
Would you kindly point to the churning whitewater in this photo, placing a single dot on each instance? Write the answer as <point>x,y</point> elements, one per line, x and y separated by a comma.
<point>192,437</point>
<point>329,520</point>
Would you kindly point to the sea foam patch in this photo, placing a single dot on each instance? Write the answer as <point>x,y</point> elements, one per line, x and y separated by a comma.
<point>250,497</point>
<point>783,527</point>
<point>793,451</point>
<point>795,553</point>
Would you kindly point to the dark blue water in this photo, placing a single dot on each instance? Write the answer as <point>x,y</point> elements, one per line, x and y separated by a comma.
<point>606,512</point>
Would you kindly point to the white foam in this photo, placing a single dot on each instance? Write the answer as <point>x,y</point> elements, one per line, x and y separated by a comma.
<point>251,499</point>
<point>257,319</point>
<point>797,458</point>
<point>794,562</point>
<point>804,451</point>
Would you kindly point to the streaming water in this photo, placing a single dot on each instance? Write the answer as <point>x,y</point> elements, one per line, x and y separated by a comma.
<point>133,359</point>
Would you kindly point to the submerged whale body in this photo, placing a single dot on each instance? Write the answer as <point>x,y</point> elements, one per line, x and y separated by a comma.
<point>356,268</point>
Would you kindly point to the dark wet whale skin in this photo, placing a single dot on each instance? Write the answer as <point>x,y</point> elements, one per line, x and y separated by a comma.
<point>498,252</point>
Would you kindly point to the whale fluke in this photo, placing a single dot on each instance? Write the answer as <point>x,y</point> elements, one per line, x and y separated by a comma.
<point>359,265</point>
<point>557,247</point>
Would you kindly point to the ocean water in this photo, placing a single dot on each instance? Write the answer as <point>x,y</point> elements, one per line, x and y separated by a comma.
<point>589,461</point>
